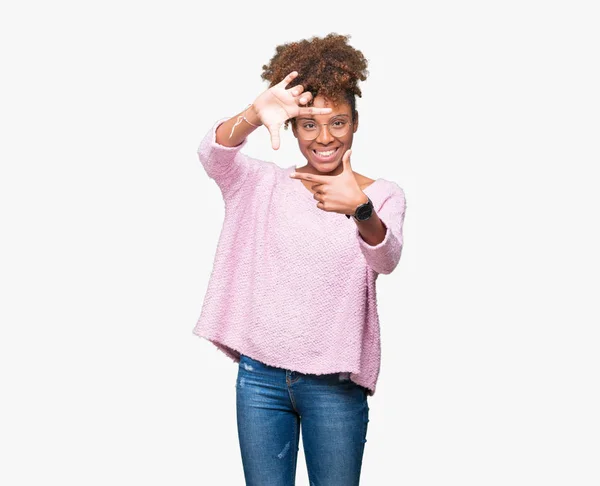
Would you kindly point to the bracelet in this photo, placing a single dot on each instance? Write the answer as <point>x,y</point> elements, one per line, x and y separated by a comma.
<point>244,115</point>
<point>240,118</point>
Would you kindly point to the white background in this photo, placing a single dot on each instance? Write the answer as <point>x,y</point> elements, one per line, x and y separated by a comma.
<point>485,113</point>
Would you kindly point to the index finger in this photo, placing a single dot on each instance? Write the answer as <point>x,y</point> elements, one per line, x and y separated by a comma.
<point>319,179</point>
<point>313,111</point>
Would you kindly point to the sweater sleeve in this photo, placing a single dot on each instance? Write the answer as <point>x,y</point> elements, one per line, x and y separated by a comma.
<point>227,166</point>
<point>384,257</point>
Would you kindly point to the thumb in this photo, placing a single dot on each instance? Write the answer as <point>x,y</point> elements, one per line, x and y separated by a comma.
<point>274,131</point>
<point>346,160</point>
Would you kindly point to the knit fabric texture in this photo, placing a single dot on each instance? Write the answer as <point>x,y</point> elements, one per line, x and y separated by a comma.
<point>292,285</point>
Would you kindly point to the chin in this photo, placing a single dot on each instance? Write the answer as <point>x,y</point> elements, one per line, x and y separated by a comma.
<point>325,168</point>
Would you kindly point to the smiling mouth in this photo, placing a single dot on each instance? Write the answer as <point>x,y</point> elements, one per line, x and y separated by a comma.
<point>326,156</point>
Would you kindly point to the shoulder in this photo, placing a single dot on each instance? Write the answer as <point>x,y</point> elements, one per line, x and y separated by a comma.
<point>389,194</point>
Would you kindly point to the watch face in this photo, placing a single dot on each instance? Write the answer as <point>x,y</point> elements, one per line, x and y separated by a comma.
<point>364,211</point>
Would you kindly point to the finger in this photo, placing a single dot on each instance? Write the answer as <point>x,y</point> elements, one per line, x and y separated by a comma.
<point>305,98</point>
<point>346,160</point>
<point>314,111</point>
<point>310,177</point>
<point>297,90</point>
<point>274,131</point>
<point>288,79</point>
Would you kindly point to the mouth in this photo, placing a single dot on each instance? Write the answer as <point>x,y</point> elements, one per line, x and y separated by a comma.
<point>326,155</point>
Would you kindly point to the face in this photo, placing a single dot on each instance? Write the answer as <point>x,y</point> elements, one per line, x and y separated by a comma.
<point>325,141</point>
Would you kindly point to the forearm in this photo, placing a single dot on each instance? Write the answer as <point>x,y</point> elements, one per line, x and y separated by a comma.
<point>242,130</point>
<point>380,238</point>
<point>372,231</point>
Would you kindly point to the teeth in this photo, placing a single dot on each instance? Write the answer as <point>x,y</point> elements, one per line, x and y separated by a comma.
<point>326,154</point>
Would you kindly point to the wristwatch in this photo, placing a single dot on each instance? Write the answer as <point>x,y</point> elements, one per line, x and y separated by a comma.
<point>363,212</point>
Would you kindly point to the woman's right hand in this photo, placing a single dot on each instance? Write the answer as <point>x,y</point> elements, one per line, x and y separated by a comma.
<point>277,104</point>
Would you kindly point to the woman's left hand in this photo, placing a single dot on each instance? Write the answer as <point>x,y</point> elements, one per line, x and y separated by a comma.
<point>340,193</point>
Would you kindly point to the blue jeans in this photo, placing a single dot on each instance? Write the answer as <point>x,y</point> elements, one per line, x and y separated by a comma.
<point>271,405</point>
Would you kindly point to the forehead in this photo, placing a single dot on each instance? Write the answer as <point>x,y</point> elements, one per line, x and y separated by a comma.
<point>341,108</point>
<point>323,118</point>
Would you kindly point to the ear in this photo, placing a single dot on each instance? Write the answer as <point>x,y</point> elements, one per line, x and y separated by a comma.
<point>355,127</point>
<point>294,131</point>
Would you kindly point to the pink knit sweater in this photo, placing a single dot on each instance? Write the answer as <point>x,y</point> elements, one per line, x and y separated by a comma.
<point>293,285</point>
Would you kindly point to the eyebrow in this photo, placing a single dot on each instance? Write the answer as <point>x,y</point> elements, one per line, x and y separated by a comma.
<point>312,118</point>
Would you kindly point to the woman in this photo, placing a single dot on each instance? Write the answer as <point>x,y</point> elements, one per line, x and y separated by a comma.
<point>292,295</point>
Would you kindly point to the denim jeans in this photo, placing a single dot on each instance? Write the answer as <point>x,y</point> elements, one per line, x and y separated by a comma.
<point>274,404</point>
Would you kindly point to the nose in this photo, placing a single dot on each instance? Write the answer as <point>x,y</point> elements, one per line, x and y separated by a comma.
<point>324,136</point>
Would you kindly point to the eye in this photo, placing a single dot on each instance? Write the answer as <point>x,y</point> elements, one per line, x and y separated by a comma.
<point>308,125</point>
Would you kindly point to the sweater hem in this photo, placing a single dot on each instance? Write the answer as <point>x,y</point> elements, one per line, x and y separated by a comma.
<point>234,354</point>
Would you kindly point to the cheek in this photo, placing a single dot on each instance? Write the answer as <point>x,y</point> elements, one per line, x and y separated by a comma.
<point>304,148</point>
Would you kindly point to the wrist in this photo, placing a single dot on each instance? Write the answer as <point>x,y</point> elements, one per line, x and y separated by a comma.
<point>361,199</point>
<point>252,116</point>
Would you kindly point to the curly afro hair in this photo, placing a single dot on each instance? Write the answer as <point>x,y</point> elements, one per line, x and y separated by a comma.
<point>326,66</point>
